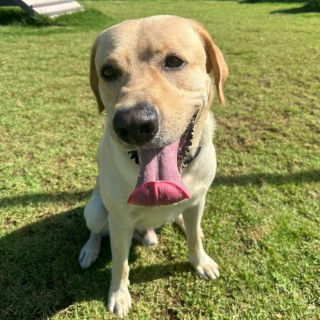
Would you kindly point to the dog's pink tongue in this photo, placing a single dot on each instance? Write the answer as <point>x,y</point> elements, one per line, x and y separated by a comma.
<point>159,181</point>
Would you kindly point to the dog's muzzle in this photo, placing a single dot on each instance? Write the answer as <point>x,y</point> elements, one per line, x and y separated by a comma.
<point>159,181</point>
<point>136,125</point>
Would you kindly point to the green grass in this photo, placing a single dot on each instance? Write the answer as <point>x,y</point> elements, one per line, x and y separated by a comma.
<point>263,211</point>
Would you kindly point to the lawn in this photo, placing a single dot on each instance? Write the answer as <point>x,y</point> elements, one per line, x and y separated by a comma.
<point>262,217</point>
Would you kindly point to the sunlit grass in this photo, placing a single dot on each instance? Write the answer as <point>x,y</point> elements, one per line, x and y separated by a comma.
<point>261,222</point>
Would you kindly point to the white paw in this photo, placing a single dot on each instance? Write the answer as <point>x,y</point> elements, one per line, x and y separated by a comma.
<point>148,237</point>
<point>90,251</point>
<point>206,268</point>
<point>119,301</point>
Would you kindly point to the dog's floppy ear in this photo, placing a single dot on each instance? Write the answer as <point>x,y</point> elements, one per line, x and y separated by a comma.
<point>94,79</point>
<point>216,62</point>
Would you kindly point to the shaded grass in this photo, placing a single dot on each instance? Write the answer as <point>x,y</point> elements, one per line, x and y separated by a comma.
<point>94,20</point>
<point>307,8</point>
<point>262,215</point>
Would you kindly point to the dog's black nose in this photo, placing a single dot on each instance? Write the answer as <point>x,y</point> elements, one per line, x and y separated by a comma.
<point>137,124</point>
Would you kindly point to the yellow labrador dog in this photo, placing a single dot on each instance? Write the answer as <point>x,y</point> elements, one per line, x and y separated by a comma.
<point>156,158</point>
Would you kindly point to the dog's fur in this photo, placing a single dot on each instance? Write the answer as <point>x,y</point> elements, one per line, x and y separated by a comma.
<point>138,48</point>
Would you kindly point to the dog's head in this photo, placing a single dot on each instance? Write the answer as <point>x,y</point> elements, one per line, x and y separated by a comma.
<point>151,76</point>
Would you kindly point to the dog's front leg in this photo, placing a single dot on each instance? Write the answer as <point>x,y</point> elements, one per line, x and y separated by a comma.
<point>119,300</point>
<point>204,265</point>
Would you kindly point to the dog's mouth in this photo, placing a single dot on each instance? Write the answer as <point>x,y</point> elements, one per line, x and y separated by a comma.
<point>159,181</point>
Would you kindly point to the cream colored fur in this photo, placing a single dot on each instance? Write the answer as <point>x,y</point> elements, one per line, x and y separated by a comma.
<point>138,47</point>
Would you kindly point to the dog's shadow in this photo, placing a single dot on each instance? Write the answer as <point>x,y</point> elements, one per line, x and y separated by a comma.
<point>40,274</point>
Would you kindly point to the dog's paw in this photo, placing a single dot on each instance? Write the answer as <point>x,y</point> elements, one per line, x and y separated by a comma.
<point>119,301</point>
<point>90,252</point>
<point>206,268</point>
<point>147,237</point>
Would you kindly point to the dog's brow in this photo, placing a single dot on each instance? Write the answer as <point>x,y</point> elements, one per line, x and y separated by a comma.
<point>110,61</point>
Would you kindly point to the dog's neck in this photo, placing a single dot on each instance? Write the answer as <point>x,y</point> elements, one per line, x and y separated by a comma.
<point>191,157</point>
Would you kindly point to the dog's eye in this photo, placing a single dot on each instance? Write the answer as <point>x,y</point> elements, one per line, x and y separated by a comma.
<point>109,73</point>
<point>173,62</point>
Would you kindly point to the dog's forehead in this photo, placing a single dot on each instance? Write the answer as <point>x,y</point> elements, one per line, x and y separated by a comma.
<point>153,34</point>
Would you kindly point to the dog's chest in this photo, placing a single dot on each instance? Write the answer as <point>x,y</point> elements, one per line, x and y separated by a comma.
<point>118,177</point>
<point>156,216</point>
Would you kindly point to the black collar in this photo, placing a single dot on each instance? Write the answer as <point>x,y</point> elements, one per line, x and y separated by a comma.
<point>186,162</point>
<point>191,157</point>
